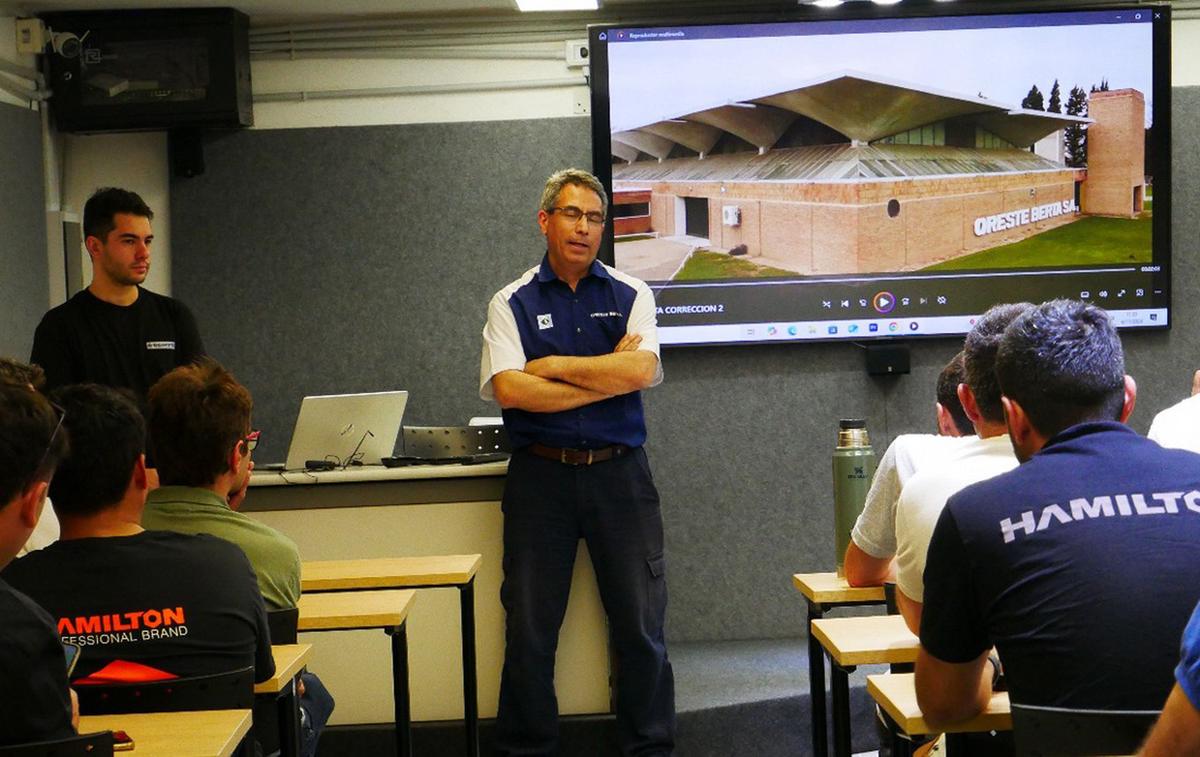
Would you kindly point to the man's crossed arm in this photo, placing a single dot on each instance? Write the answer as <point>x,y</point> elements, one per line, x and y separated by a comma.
<point>563,382</point>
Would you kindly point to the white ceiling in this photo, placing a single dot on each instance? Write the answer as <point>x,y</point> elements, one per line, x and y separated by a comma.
<point>274,10</point>
<point>265,12</point>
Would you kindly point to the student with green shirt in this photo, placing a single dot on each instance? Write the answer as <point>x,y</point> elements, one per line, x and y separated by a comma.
<point>199,417</point>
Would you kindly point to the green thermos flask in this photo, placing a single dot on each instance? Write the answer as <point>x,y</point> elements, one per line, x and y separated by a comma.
<point>853,468</point>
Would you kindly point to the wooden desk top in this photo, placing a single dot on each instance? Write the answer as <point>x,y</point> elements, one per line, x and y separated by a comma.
<point>214,733</point>
<point>388,572</point>
<point>347,611</point>
<point>895,693</point>
<point>830,588</point>
<point>867,640</point>
<point>289,659</point>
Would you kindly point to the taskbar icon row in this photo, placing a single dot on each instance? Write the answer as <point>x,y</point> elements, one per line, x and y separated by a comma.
<point>863,328</point>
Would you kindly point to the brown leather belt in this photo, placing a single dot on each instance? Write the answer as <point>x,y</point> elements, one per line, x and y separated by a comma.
<point>578,456</point>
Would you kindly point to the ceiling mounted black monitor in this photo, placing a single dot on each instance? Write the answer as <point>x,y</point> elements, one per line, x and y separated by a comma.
<point>862,178</point>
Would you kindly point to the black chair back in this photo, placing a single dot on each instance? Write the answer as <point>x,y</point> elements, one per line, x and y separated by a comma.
<point>85,745</point>
<point>223,691</point>
<point>1059,732</point>
<point>282,625</point>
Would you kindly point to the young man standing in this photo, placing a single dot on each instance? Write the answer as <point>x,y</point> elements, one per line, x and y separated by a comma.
<point>114,332</point>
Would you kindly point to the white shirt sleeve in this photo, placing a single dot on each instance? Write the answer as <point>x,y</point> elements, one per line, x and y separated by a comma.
<point>643,321</point>
<point>502,350</point>
<point>875,530</point>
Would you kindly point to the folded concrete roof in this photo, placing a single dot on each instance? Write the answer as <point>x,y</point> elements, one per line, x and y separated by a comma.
<point>863,107</point>
<point>844,162</point>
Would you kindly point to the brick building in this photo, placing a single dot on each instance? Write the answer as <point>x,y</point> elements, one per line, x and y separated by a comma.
<point>854,173</point>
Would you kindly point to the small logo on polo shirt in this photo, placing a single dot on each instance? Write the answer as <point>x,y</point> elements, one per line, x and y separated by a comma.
<point>545,322</point>
<point>160,345</point>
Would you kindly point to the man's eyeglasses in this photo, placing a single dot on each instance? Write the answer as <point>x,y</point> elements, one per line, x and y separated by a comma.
<point>250,440</point>
<point>61,413</point>
<point>573,214</point>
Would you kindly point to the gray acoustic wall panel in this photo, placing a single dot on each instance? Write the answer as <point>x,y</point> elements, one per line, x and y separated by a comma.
<point>24,283</point>
<point>354,259</point>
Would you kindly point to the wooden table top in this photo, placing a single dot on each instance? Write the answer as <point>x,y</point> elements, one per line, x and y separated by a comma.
<point>897,695</point>
<point>867,640</point>
<point>388,572</point>
<point>213,733</point>
<point>344,611</point>
<point>830,588</point>
<point>289,659</point>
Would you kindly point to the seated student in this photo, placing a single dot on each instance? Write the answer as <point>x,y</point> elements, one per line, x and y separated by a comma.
<point>143,604</point>
<point>868,560</point>
<point>985,454</point>
<point>1081,564</point>
<point>199,417</point>
<point>38,706</point>
<point>22,375</point>
<point>1178,426</point>
<point>1177,731</point>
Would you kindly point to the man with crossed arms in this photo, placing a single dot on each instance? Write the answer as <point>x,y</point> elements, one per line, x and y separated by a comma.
<point>567,349</point>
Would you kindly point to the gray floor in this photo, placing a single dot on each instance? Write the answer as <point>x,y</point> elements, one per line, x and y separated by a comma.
<point>719,674</point>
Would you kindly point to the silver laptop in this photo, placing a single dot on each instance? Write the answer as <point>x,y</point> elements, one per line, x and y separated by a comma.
<point>347,427</point>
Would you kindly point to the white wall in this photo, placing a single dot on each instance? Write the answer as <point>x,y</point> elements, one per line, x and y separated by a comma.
<point>1185,52</point>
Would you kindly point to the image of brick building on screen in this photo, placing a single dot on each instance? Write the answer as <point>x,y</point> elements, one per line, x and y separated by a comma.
<point>855,173</point>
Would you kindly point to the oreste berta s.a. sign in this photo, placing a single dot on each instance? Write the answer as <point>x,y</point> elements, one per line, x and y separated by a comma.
<point>1016,218</point>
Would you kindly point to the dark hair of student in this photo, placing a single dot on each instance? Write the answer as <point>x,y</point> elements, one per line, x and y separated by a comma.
<point>1062,362</point>
<point>104,204</point>
<point>979,357</point>
<point>24,375</point>
<point>951,376</point>
<point>31,443</point>
<point>197,413</point>
<point>108,435</point>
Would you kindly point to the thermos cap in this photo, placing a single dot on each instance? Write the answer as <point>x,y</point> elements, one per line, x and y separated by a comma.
<point>852,433</point>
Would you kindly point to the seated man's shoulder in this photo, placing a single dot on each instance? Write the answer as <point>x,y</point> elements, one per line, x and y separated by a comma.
<point>1177,426</point>
<point>20,615</point>
<point>915,451</point>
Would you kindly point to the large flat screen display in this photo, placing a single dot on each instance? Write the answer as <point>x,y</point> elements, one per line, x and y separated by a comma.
<point>859,178</point>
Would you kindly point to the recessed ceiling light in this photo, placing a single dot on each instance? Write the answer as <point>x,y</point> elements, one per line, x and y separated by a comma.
<point>826,3</point>
<point>558,5</point>
<point>885,2</point>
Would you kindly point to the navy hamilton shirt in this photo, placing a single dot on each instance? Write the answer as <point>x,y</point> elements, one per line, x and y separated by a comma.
<point>538,315</point>
<point>1081,566</point>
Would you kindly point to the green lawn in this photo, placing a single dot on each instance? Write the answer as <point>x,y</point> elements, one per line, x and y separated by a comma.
<point>1088,241</point>
<point>705,265</point>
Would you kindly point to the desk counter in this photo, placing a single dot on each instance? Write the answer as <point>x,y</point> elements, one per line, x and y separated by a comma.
<point>375,485</point>
<point>374,512</point>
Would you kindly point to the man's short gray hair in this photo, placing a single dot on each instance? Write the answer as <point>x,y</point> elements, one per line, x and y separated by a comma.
<point>576,176</point>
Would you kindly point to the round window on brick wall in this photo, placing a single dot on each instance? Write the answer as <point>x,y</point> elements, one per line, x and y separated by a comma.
<point>893,208</point>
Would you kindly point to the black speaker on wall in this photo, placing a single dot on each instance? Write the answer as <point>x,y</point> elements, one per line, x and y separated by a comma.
<point>186,150</point>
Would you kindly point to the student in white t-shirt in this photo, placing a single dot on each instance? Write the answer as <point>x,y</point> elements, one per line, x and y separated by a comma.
<point>872,546</point>
<point>1178,427</point>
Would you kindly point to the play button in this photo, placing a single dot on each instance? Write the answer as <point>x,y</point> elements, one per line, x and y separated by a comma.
<point>883,302</point>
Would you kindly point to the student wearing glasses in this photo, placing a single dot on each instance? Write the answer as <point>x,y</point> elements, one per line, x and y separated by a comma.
<point>199,418</point>
<point>567,349</point>
<point>144,605</point>
<point>30,377</point>
<point>37,703</point>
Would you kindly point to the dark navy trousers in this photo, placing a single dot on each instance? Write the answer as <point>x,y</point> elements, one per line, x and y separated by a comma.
<point>548,507</point>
